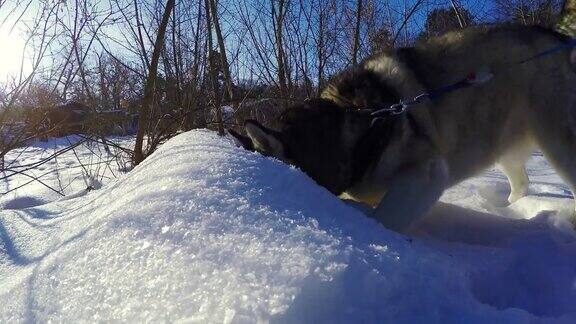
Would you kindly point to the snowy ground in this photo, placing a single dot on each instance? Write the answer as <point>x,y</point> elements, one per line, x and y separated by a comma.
<point>205,232</point>
<point>60,169</point>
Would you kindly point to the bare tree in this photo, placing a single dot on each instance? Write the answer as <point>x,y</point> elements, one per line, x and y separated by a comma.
<point>278,15</point>
<point>357,33</point>
<point>148,100</point>
<point>32,105</point>
<point>213,65</point>
<point>222,47</point>
<point>528,12</point>
<point>456,9</point>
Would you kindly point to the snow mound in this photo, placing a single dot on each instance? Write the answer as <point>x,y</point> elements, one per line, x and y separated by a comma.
<point>203,231</point>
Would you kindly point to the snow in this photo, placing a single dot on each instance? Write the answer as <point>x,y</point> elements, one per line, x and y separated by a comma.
<point>203,231</point>
<point>78,164</point>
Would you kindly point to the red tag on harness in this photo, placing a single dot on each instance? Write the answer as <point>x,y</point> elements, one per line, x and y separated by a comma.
<point>479,77</point>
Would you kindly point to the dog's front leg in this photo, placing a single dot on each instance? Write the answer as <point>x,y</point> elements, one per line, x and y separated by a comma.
<point>411,194</point>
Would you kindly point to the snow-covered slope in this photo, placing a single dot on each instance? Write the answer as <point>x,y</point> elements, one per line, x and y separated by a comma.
<point>203,231</point>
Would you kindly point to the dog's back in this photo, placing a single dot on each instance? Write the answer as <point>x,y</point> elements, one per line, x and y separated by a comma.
<point>519,108</point>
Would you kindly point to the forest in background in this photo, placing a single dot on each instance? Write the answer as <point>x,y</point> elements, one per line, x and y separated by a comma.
<point>155,68</point>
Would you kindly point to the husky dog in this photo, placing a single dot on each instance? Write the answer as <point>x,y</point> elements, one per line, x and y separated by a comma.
<point>401,164</point>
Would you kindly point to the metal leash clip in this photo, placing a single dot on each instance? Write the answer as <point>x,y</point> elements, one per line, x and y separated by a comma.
<point>395,109</point>
<point>399,108</point>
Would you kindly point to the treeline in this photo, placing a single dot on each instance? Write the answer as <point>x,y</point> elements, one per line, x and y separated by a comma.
<point>164,66</point>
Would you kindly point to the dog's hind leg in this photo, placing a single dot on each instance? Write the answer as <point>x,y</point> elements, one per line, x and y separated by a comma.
<point>562,158</point>
<point>411,194</point>
<point>513,166</point>
<point>518,179</point>
<point>557,140</point>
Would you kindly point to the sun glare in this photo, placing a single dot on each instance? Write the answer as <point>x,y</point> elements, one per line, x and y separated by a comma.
<point>11,53</point>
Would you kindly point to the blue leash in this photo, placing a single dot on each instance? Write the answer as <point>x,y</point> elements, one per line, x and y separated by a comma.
<point>399,108</point>
<point>566,46</point>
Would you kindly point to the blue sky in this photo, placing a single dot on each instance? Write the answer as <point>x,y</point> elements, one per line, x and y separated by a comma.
<point>12,44</point>
<point>480,9</point>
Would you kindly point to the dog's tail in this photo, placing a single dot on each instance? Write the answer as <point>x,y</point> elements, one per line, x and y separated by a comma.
<point>567,22</point>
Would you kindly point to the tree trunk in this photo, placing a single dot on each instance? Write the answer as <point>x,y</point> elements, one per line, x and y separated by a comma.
<point>223,58</point>
<point>140,37</point>
<point>213,73</point>
<point>405,22</point>
<point>458,14</point>
<point>177,61</point>
<point>357,33</point>
<point>150,87</point>
<point>320,52</point>
<point>277,24</point>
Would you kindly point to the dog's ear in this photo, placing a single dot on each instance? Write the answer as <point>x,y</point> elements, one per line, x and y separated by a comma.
<point>264,140</point>
<point>241,140</point>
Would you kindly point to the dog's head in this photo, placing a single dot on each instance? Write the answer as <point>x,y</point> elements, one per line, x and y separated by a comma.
<point>317,136</point>
<point>332,139</point>
<point>336,147</point>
